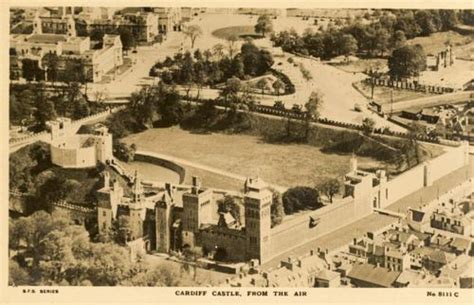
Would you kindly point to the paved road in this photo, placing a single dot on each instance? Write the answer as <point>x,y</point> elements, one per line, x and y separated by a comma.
<point>343,236</point>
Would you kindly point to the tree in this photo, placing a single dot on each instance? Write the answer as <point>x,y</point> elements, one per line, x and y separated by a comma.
<point>232,45</point>
<point>228,205</point>
<point>347,44</point>
<point>263,84</point>
<point>425,21</point>
<point>54,190</point>
<point>278,85</point>
<point>368,125</point>
<point>97,35</point>
<point>192,32</point>
<point>45,110</point>
<point>51,64</point>
<point>170,107</point>
<point>330,188</point>
<point>264,25</point>
<point>299,198</point>
<point>124,152</point>
<point>276,210</point>
<point>218,51</point>
<point>407,61</point>
<point>398,40</point>
<point>229,93</point>
<point>313,107</point>
<point>31,71</point>
<point>127,38</point>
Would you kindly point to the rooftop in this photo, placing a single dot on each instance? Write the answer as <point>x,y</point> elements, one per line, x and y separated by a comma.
<point>47,38</point>
<point>372,274</point>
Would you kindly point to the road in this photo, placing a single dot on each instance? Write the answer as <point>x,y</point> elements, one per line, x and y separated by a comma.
<point>343,236</point>
<point>335,85</point>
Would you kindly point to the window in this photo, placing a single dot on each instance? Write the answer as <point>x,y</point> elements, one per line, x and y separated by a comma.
<point>104,213</point>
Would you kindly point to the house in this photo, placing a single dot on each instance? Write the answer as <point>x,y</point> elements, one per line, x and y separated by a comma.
<point>435,260</point>
<point>327,278</point>
<point>370,276</point>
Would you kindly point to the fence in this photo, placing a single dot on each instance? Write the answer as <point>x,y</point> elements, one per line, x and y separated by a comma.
<point>408,85</point>
<point>301,115</point>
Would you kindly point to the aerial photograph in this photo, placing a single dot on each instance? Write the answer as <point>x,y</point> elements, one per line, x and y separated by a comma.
<point>241,147</point>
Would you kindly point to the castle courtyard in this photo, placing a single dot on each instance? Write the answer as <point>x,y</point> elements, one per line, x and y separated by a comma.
<point>281,164</point>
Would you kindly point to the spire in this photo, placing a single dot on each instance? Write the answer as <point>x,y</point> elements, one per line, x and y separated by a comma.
<point>137,189</point>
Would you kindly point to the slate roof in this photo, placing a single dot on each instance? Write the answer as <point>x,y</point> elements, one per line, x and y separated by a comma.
<point>372,274</point>
<point>47,38</point>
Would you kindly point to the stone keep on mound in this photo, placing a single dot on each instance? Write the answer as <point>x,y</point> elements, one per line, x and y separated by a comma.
<point>70,150</point>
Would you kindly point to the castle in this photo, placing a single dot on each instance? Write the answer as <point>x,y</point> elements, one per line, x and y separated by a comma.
<point>79,150</point>
<point>164,222</point>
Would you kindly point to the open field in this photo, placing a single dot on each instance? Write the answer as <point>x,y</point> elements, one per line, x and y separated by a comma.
<point>436,42</point>
<point>240,31</point>
<point>382,95</point>
<point>363,65</point>
<point>281,164</point>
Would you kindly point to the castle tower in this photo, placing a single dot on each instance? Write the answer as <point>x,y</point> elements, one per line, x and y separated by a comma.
<point>103,144</point>
<point>257,200</point>
<point>71,26</point>
<point>137,211</point>
<point>37,27</point>
<point>163,210</point>
<point>108,201</point>
<point>197,210</point>
<point>59,128</point>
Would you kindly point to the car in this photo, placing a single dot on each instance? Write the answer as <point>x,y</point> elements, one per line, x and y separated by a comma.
<point>297,108</point>
<point>279,105</point>
<point>357,108</point>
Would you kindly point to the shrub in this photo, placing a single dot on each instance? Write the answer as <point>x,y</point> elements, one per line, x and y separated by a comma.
<point>300,198</point>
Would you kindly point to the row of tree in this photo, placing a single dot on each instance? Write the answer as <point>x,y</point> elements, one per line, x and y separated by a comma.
<point>35,104</point>
<point>389,32</point>
<point>213,67</point>
<point>49,249</point>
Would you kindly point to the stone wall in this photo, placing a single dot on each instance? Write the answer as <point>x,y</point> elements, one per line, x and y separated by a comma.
<point>233,241</point>
<point>297,231</point>
<point>153,159</point>
<point>74,157</point>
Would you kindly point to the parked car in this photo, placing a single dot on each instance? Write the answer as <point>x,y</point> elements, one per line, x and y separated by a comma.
<point>297,108</point>
<point>279,105</point>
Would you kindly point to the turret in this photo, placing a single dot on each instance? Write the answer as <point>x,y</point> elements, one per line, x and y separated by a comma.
<point>257,200</point>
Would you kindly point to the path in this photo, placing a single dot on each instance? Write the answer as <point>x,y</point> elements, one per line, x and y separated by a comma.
<point>204,167</point>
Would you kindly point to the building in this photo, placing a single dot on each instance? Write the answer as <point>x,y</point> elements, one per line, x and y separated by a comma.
<point>450,217</point>
<point>366,187</point>
<point>58,36</point>
<point>79,151</point>
<point>441,60</point>
<point>370,276</point>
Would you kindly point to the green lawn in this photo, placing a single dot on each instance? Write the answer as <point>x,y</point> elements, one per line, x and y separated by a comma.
<point>243,30</point>
<point>436,42</point>
<point>281,164</point>
<point>363,65</point>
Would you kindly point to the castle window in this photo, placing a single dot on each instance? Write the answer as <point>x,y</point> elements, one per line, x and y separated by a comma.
<point>104,213</point>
